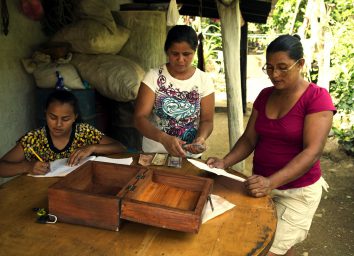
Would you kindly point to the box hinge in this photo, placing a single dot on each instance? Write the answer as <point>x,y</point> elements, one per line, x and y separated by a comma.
<point>140,176</point>
<point>131,187</point>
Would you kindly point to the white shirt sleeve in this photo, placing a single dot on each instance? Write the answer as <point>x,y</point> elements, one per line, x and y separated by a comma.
<point>150,79</point>
<point>207,84</point>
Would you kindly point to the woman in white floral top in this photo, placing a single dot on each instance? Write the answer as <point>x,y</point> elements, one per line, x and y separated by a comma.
<point>175,104</point>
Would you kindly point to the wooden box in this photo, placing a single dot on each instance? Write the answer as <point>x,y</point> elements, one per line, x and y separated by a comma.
<point>101,194</point>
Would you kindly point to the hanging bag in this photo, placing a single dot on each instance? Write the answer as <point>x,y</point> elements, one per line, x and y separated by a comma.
<point>172,13</point>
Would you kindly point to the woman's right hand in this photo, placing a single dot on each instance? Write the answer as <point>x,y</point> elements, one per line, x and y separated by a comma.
<point>173,145</point>
<point>258,186</point>
<point>38,168</point>
<point>215,162</point>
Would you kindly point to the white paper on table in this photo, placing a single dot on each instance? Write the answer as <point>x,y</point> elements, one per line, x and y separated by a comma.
<point>217,171</point>
<point>125,161</point>
<point>220,206</point>
<point>59,168</point>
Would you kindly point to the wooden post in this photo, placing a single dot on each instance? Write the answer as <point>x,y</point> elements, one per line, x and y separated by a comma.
<point>243,63</point>
<point>230,18</point>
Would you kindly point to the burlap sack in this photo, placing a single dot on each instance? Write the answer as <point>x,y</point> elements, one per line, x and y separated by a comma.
<point>113,76</point>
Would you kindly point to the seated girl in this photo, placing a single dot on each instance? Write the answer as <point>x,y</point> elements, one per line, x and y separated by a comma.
<point>61,137</point>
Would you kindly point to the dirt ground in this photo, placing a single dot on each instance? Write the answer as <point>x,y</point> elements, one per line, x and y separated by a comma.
<point>332,230</point>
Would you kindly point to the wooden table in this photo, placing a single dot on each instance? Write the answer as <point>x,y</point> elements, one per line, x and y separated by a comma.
<point>247,229</point>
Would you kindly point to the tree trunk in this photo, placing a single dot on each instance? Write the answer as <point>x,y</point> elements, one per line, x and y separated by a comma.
<point>294,16</point>
<point>318,45</point>
<point>324,45</point>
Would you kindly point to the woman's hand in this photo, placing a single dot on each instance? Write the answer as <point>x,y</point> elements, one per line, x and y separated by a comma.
<point>38,168</point>
<point>173,145</point>
<point>215,162</point>
<point>80,154</point>
<point>258,186</point>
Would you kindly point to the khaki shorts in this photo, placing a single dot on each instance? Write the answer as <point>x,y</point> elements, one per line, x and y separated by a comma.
<point>295,210</point>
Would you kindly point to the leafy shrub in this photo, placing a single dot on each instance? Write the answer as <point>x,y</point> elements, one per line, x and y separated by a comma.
<point>345,138</point>
<point>342,68</point>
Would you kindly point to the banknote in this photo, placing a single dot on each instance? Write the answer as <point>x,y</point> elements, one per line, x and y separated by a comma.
<point>159,159</point>
<point>145,160</point>
<point>174,161</point>
<point>199,147</point>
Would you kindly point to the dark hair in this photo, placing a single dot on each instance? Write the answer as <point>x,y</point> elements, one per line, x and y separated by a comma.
<point>181,33</point>
<point>63,96</point>
<point>287,43</point>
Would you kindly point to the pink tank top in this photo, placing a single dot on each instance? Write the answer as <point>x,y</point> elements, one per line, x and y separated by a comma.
<point>280,140</point>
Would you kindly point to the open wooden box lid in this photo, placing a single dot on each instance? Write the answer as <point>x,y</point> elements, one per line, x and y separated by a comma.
<point>101,194</point>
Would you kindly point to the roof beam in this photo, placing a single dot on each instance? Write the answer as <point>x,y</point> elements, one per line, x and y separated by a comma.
<point>252,10</point>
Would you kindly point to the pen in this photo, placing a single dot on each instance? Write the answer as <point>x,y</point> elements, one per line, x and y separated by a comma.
<point>34,152</point>
<point>211,203</point>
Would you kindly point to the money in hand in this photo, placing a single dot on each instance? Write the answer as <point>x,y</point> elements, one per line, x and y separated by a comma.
<point>199,147</point>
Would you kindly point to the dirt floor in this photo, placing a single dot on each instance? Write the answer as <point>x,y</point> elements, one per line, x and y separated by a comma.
<point>332,230</point>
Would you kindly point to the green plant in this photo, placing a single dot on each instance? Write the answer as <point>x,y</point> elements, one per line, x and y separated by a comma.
<point>212,47</point>
<point>345,138</point>
<point>342,68</point>
<point>280,21</point>
<point>212,42</point>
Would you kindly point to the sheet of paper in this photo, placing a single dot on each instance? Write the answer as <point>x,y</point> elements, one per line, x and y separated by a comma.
<point>220,206</point>
<point>125,161</point>
<point>59,168</point>
<point>217,171</point>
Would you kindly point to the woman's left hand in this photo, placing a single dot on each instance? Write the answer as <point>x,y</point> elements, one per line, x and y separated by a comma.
<point>258,186</point>
<point>80,154</point>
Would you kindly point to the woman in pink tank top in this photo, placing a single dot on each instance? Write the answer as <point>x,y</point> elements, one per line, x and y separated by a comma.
<point>287,131</point>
